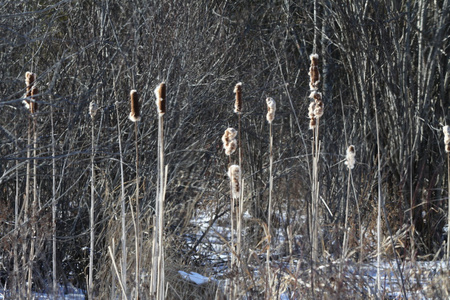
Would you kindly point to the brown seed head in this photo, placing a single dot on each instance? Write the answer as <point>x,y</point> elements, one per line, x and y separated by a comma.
<point>238,102</point>
<point>229,140</point>
<point>234,172</point>
<point>160,93</point>
<point>93,108</point>
<point>350,157</point>
<point>312,123</point>
<point>447,148</point>
<point>135,113</point>
<point>311,108</point>
<point>29,81</point>
<point>314,72</point>
<point>271,108</point>
<point>33,104</point>
<point>318,109</point>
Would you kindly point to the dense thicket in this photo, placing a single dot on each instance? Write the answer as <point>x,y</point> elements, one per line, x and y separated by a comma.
<point>383,57</point>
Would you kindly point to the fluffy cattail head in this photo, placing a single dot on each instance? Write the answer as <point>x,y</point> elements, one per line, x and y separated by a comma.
<point>160,93</point>
<point>350,157</point>
<point>271,108</point>
<point>314,75</point>
<point>29,81</point>
<point>234,172</point>
<point>135,113</point>
<point>229,141</point>
<point>446,130</point>
<point>312,123</point>
<point>93,108</point>
<point>33,105</point>
<point>238,102</point>
<point>318,109</point>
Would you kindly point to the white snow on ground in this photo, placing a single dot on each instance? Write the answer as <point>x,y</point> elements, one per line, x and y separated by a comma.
<point>72,293</point>
<point>195,277</point>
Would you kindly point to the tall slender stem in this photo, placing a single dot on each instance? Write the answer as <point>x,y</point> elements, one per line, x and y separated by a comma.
<point>55,278</point>
<point>92,216</point>
<point>448,214</point>
<point>124,230</point>
<point>269,217</point>
<point>138,233</point>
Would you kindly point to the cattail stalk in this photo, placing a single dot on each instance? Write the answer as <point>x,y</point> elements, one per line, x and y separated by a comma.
<point>446,131</point>
<point>92,112</point>
<point>350,162</point>
<point>54,202</point>
<point>157,281</point>
<point>271,108</point>
<point>315,112</point>
<point>135,116</point>
<point>123,211</point>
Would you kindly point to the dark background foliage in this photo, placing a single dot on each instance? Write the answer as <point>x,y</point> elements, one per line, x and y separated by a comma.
<point>376,57</point>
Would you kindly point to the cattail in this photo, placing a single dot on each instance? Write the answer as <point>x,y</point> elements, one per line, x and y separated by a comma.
<point>160,93</point>
<point>312,123</point>
<point>33,105</point>
<point>317,96</point>
<point>314,72</point>
<point>229,141</point>
<point>350,157</point>
<point>446,131</point>
<point>271,108</point>
<point>234,172</point>
<point>29,81</point>
<point>135,113</point>
<point>311,108</point>
<point>93,108</point>
<point>238,103</point>
<point>231,147</point>
<point>318,109</point>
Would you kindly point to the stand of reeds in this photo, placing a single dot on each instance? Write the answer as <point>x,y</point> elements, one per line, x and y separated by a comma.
<point>157,278</point>
<point>92,112</point>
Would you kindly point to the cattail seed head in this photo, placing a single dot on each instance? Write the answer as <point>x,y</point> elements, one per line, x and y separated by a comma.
<point>238,102</point>
<point>229,141</point>
<point>33,105</point>
<point>350,157</point>
<point>135,113</point>
<point>318,109</point>
<point>317,96</point>
<point>93,108</point>
<point>29,81</point>
<point>314,72</point>
<point>311,108</point>
<point>446,130</point>
<point>312,123</point>
<point>271,108</point>
<point>160,93</point>
<point>231,147</point>
<point>234,172</point>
